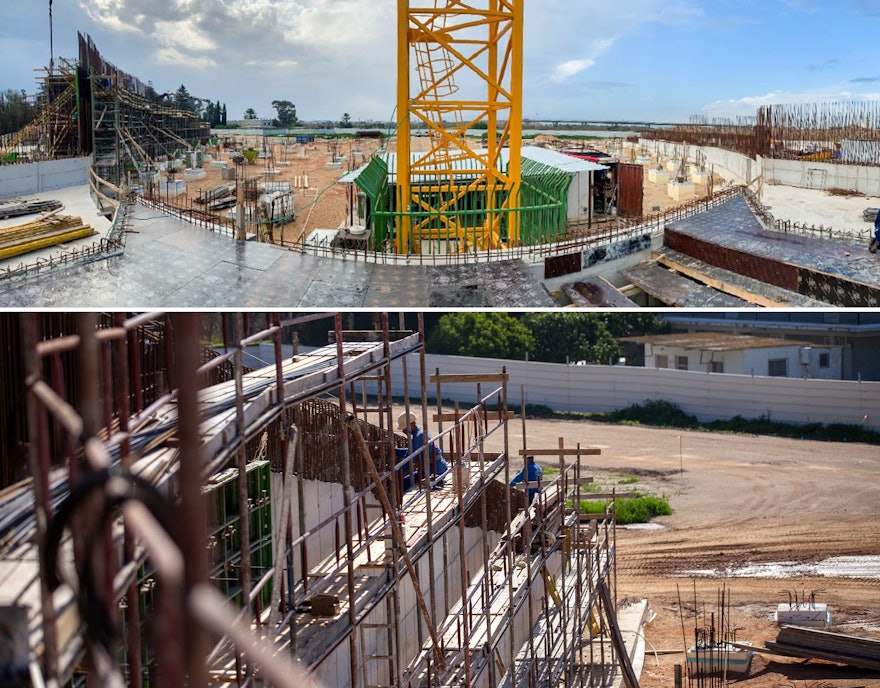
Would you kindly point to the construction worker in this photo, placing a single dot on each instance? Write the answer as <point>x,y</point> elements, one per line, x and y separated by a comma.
<point>875,242</point>
<point>437,464</point>
<point>532,474</point>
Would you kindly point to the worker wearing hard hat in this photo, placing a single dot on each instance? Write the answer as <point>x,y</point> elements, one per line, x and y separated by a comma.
<point>406,422</point>
<point>875,242</point>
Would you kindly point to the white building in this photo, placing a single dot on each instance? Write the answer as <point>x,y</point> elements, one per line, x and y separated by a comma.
<point>715,352</point>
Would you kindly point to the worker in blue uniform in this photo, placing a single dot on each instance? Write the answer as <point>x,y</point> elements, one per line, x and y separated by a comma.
<point>875,242</point>
<point>532,474</point>
<point>437,465</point>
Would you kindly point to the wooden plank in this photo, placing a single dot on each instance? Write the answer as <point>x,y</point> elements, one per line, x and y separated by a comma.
<point>488,415</point>
<point>469,377</point>
<point>372,336</point>
<point>583,451</point>
<point>599,496</point>
<point>630,679</point>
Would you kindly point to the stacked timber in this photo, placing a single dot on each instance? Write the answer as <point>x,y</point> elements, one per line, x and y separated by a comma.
<point>15,208</point>
<point>811,643</point>
<point>41,233</point>
<point>215,194</point>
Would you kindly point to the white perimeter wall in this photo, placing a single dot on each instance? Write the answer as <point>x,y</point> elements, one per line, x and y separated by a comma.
<point>708,396</point>
<point>739,168</point>
<point>822,175</point>
<point>805,174</point>
<point>37,177</point>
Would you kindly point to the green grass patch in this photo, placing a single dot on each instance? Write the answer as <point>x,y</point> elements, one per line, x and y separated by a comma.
<point>628,480</point>
<point>641,509</point>
<point>665,414</point>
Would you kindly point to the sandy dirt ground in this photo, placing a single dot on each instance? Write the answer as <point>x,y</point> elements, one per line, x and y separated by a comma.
<point>740,501</point>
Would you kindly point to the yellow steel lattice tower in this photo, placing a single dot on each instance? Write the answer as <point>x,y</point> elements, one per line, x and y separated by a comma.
<point>459,67</point>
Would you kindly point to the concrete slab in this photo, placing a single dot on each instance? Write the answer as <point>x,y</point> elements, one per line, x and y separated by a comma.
<point>673,289</point>
<point>819,208</point>
<point>169,263</point>
<point>729,236</point>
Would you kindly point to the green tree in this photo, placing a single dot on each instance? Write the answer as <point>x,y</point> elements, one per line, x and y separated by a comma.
<point>185,100</point>
<point>250,113</point>
<point>15,111</point>
<point>223,115</point>
<point>635,324</point>
<point>286,113</point>
<point>345,122</point>
<point>561,337</point>
<point>489,335</point>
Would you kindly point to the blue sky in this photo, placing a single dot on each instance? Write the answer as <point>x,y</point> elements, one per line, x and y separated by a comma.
<point>656,60</point>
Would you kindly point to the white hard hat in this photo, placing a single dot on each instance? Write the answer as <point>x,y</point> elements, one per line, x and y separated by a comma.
<point>403,422</point>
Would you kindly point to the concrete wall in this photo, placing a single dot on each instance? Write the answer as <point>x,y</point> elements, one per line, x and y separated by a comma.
<point>805,174</point>
<point>709,396</point>
<point>37,177</point>
<point>737,167</point>
<point>821,175</point>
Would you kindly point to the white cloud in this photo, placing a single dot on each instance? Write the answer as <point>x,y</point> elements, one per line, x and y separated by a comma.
<point>185,34</point>
<point>567,69</point>
<point>171,56</point>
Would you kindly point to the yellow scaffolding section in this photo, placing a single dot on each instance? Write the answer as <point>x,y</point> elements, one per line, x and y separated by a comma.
<point>457,45</point>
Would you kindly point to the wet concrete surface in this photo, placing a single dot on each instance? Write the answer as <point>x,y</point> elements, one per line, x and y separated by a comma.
<point>169,263</point>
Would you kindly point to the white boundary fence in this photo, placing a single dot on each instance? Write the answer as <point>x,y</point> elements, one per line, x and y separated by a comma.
<point>708,396</point>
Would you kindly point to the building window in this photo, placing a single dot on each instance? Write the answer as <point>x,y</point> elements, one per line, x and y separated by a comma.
<point>824,360</point>
<point>716,366</point>
<point>777,367</point>
<point>661,361</point>
<point>681,362</point>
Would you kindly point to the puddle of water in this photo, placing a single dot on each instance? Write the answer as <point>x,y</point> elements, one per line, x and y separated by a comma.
<point>833,567</point>
<point>643,526</point>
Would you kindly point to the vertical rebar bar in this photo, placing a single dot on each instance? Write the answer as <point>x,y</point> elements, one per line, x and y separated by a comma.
<point>346,497</point>
<point>191,509</point>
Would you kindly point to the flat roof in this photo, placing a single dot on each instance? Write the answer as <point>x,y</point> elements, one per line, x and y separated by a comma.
<point>715,341</point>
<point>544,156</point>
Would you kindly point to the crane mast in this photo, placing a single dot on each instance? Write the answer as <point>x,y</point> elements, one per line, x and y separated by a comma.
<point>459,69</point>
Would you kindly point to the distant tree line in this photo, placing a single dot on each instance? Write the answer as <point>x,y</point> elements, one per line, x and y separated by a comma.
<point>16,110</point>
<point>208,111</point>
<point>543,336</point>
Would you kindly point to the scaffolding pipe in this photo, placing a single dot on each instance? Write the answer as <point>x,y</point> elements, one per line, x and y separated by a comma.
<point>399,540</point>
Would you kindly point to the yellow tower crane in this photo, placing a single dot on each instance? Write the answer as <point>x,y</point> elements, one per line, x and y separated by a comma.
<point>459,68</point>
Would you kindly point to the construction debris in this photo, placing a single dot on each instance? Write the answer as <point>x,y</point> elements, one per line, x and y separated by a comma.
<point>17,208</point>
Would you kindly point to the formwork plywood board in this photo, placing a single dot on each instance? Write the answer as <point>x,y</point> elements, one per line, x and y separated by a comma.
<point>730,236</point>
<point>675,290</point>
<point>754,291</point>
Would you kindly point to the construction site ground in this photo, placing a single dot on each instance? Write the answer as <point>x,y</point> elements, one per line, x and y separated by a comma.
<point>754,515</point>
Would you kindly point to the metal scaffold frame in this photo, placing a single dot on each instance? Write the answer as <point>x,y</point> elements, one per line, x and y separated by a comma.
<point>368,567</point>
<point>453,44</point>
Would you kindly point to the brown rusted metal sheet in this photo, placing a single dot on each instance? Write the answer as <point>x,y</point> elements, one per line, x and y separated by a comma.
<point>741,262</point>
<point>596,293</point>
<point>630,194</point>
<point>557,266</point>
